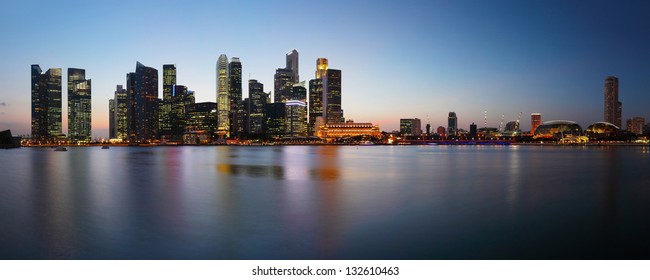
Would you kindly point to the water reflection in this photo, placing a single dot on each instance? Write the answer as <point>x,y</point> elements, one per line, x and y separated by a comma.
<point>325,202</point>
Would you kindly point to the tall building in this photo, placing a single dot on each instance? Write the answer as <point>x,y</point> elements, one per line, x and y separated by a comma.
<point>169,80</point>
<point>256,105</point>
<point>535,121</point>
<point>275,120</point>
<point>315,103</point>
<point>321,67</point>
<point>293,65</point>
<point>410,127</point>
<point>283,82</point>
<point>235,96</point>
<point>46,104</point>
<point>79,106</point>
<point>142,96</point>
<point>202,117</point>
<point>223,100</point>
<point>120,114</point>
<point>452,124</point>
<point>325,95</point>
<point>165,105</point>
<point>333,111</point>
<point>296,123</point>
<point>635,125</point>
<point>111,119</point>
<point>613,107</point>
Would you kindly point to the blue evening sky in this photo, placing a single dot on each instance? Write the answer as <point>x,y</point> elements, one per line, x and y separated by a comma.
<point>399,59</point>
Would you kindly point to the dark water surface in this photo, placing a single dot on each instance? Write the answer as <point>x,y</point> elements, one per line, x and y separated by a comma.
<point>325,202</point>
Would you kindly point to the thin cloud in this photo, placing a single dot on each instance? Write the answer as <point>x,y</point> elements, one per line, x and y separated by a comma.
<point>3,104</point>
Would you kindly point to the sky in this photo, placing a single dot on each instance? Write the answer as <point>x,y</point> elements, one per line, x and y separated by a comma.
<point>399,59</point>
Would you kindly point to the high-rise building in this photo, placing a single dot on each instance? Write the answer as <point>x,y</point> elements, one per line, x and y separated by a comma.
<point>111,119</point>
<point>452,124</point>
<point>275,121</point>
<point>635,125</point>
<point>142,96</point>
<point>315,103</point>
<point>410,127</point>
<point>46,104</point>
<point>256,105</point>
<point>223,100</point>
<point>79,106</point>
<point>202,117</point>
<point>613,107</point>
<point>321,67</point>
<point>325,95</point>
<point>293,65</point>
<point>333,111</point>
<point>120,114</point>
<point>296,123</point>
<point>169,80</point>
<point>235,96</point>
<point>535,121</point>
<point>283,82</point>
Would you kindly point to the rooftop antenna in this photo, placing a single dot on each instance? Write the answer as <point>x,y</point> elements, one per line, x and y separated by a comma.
<point>501,125</point>
<point>485,118</point>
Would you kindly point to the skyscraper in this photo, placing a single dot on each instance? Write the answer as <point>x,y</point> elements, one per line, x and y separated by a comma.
<point>223,101</point>
<point>283,82</point>
<point>315,103</point>
<point>235,96</point>
<point>111,119</point>
<point>120,113</point>
<point>46,104</point>
<point>275,119</point>
<point>321,67</point>
<point>293,66</point>
<point>333,112</point>
<point>296,123</point>
<point>79,106</point>
<point>257,102</point>
<point>142,91</point>
<point>452,124</point>
<point>169,80</point>
<point>613,107</point>
<point>635,125</point>
<point>165,106</point>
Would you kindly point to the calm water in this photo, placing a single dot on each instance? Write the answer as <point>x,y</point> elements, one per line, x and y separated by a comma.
<point>323,202</point>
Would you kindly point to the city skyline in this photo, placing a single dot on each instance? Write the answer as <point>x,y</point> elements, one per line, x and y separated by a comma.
<point>422,59</point>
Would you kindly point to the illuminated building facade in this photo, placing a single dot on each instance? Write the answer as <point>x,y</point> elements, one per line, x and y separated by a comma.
<point>46,104</point>
<point>223,100</point>
<point>348,129</point>
<point>410,127</point>
<point>165,118</point>
<point>452,124</point>
<point>296,122</point>
<point>142,96</point>
<point>635,125</point>
<point>79,106</point>
<point>283,82</point>
<point>333,111</point>
<point>441,130</point>
<point>256,108</point>
<point>111,119</point>
<point>275,120</point>
<point>235,96</point>
<point>557,130</point>
<point>535,121</point>
<point>613,107</point>
<point>201,119</point>
<point>119,114</point>
<point>315,103</point>
<point>293,65</point>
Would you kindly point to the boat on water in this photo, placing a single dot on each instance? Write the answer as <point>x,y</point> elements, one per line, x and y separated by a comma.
<point>60,149</point>
<point>366,143</point>
<point>105,147</point>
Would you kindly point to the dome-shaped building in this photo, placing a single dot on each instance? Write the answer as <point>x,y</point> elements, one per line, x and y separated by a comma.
<point>557,130</point>
<point>602,128</point>
<point>603,131</point>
